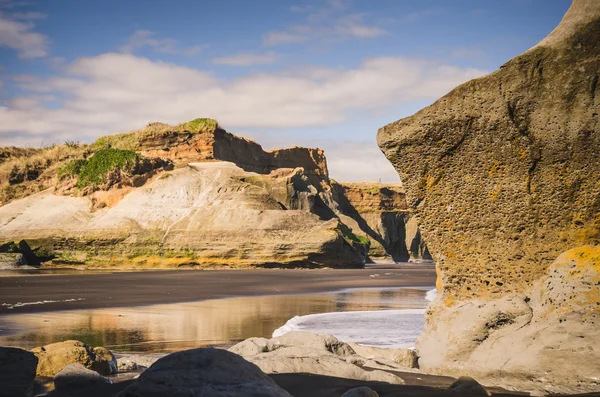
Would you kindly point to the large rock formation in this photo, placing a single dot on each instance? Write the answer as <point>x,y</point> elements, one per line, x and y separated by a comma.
<point>502,174</point>
<point>192,195</point>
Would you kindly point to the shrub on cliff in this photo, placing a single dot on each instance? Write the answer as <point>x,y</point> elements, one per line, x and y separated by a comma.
<point>95,170</point>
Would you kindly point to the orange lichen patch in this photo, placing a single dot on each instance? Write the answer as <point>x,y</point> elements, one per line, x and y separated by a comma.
<point>579,259</point>
<point>439,284</point>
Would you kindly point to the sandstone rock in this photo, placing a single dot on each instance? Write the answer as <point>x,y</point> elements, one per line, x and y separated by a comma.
<point>127,363</point>
<point>105,362</point>
<point>380,211</point>
<point>468,385</point>
<point>203,372</point>
<point>325,343</point>
<point>362,391</point>
<point>11,260</point>
<point>501,173</point>
<point>54,357</point>
<point>76,376</point>
<point>302,352</point>
<point>250,347</point>
<point>17,372</point>
<point>404,357</point>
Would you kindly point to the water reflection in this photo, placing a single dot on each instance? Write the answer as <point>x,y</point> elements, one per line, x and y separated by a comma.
<point>171,327</point>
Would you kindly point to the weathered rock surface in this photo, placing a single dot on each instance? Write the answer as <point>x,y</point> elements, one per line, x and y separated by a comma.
<point>131,363</point>
<point>56,356</point>
<point>301,352</point>
<point>203,372</point>
<point>380,211</point>
<point>362,391</point>
<point>76,376</point>
<point>17,372</point>
<point>502,175</point>
<point>403,357</point>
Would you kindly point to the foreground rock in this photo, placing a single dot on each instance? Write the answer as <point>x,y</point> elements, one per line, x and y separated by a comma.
<point>299,352</point>
<point>468,385</point>
<point>203,372</point>
<point>56,356</point>
<point>363,391</point>
<point>75,377</point>
<point>502,173</point>
<point>17,372</point>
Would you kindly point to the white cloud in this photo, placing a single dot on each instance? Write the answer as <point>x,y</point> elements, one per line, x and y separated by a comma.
<point>116,92</point>
<point>19,35</point>
<point>247,59</point>
<point>353,25</point>
<point>146,38</point>
<point>329,22</point>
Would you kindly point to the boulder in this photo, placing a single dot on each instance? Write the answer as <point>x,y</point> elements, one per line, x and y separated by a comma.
<point>55,356</point>
<point>203,372</point>
<point>468,385</point>
<point>105,362</point>
<point>325,343</point>
<point>17,372</point>
<point>75,377</point>
<point>125,362</point>
<point>362,391</point>
<point>302,352</point>
<point>403,357</point>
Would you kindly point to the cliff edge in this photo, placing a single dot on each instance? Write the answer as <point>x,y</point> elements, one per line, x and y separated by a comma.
<point>502,174</point>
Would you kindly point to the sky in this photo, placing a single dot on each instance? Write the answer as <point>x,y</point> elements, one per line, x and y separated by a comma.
<point>314,73</point>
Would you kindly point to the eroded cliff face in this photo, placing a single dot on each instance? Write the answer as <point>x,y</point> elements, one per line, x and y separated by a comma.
<point>502,174</point>
<point>380,211</point>
<point>210,198</point>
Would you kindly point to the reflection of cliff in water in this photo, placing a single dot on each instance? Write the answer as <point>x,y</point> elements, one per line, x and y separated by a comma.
<point>170,327</point>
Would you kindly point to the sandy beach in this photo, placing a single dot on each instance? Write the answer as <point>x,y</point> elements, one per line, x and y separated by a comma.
<point>24,293</point>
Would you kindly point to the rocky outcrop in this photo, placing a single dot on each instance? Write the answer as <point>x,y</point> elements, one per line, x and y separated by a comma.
<point>501,173</point>
<point>380,211</point>
<point>17,372</point>
<point>227,202</point>
<point>203,372</point>
<point>300,352</point>
<point>54,357</point>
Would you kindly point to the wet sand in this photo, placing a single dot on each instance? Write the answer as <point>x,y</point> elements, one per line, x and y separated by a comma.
<point>125,289</point>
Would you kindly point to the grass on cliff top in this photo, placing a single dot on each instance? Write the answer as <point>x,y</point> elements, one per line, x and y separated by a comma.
<point>133,140</point>
<point>25,171</point>
<point>95,170</point>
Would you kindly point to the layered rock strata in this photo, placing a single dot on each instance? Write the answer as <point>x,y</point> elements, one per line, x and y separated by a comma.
<point>502,176</point>
<point>380,211</point>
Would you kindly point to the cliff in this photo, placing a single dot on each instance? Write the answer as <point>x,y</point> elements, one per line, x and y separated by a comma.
<point>502,176</point>
<point>191,195</point>
<point>380,211</point>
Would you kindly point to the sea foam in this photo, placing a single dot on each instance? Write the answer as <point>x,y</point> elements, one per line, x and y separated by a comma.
<point>381,328</point>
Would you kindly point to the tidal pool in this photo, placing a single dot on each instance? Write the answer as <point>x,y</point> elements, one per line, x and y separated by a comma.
<point>171,327</point>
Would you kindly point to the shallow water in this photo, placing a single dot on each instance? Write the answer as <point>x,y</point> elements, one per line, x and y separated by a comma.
<point>171,327</point>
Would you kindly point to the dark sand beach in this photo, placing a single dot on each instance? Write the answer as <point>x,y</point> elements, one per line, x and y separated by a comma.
<point>74,291</point>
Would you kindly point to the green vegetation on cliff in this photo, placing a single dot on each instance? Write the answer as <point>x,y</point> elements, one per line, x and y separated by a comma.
<point>103,162</point>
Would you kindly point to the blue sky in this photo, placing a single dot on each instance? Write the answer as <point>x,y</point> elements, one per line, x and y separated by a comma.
<point>323,73</point>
